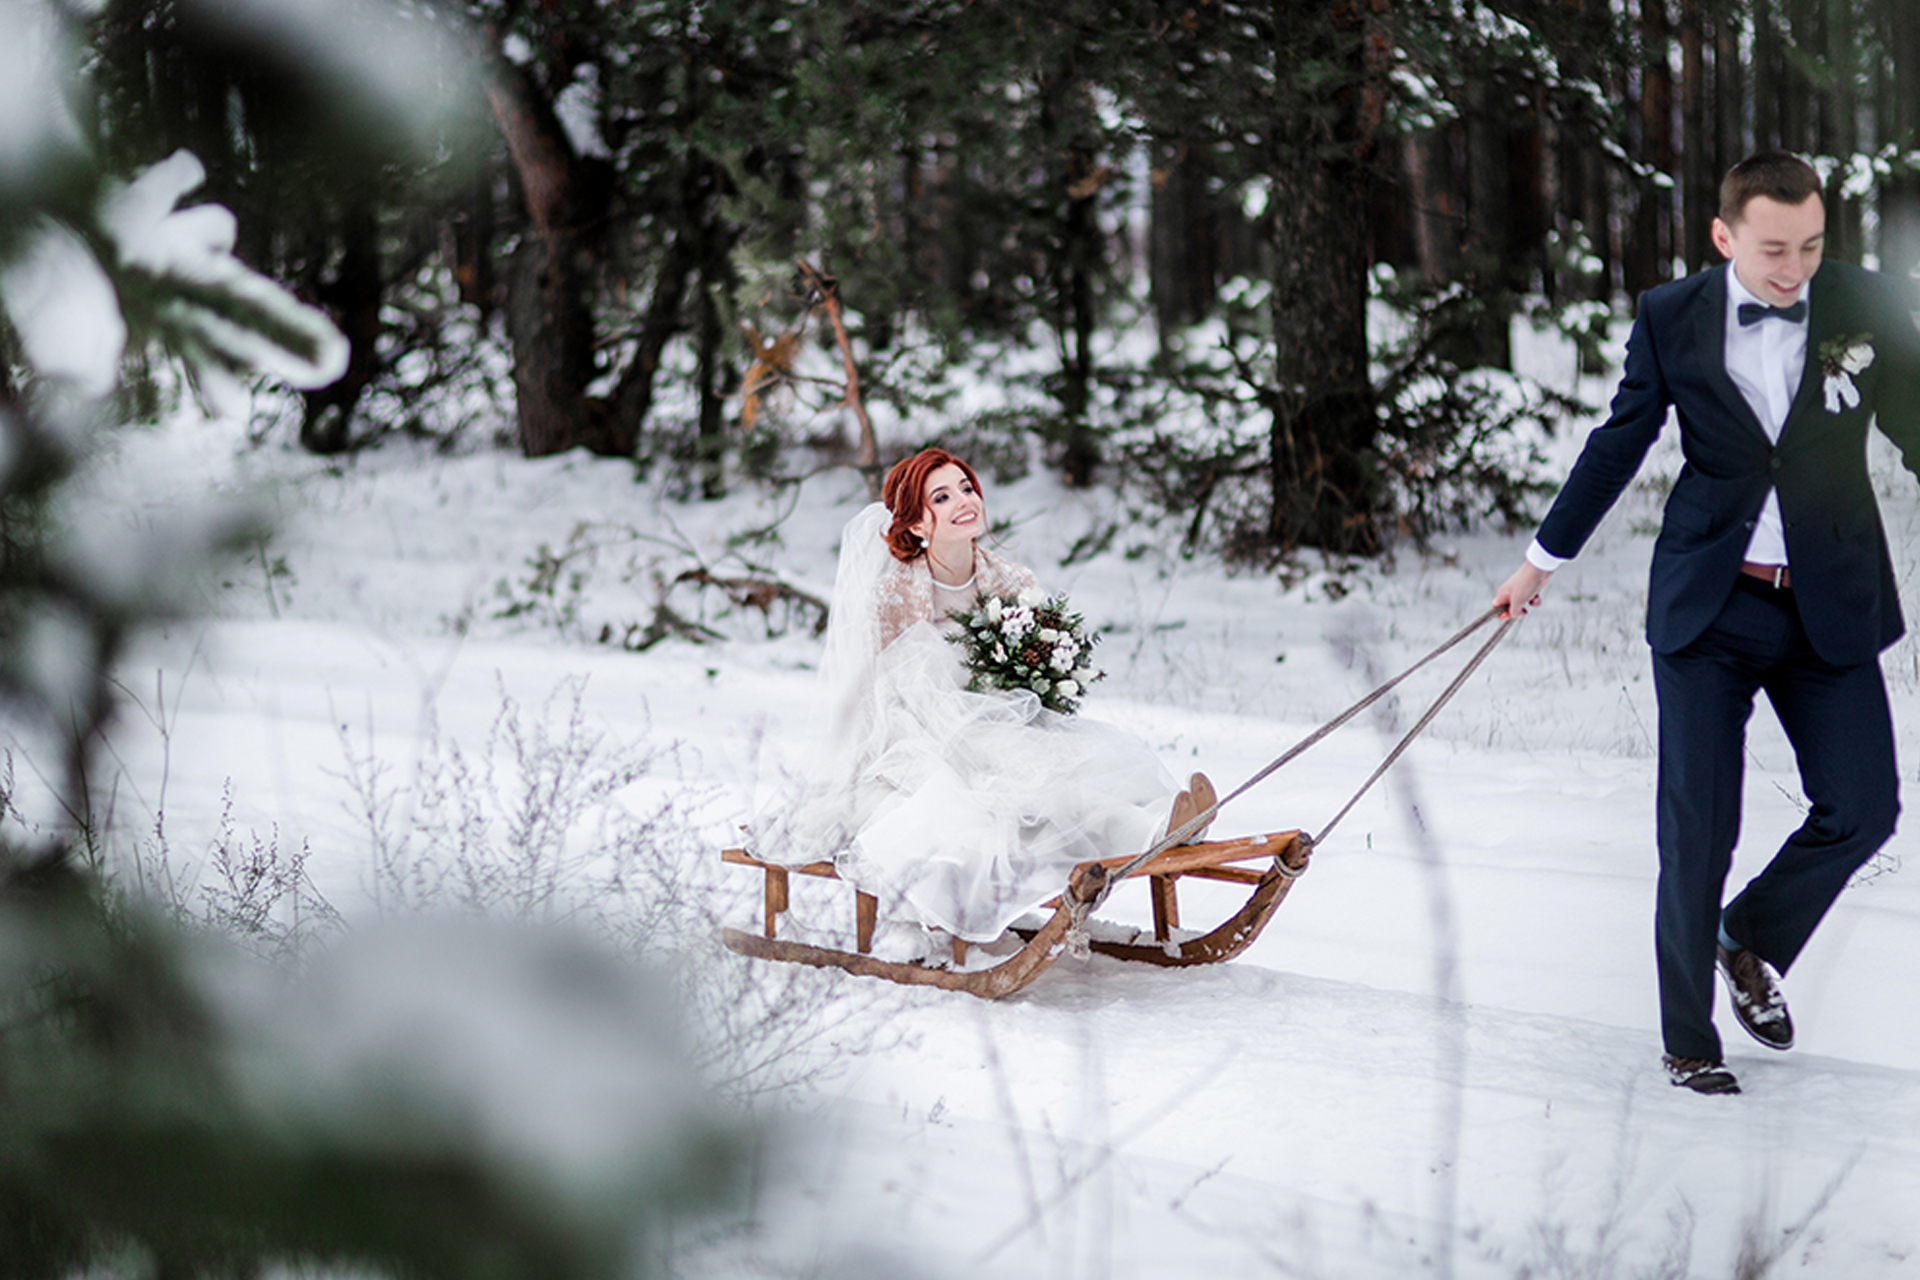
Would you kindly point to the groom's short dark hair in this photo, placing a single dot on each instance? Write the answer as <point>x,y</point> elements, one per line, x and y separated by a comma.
<point>1777,175</point>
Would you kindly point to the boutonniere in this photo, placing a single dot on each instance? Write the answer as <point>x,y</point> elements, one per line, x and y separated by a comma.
<point>1840,358</point>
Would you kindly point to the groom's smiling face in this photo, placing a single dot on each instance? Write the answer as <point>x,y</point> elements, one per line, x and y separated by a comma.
<point>1775,248</point>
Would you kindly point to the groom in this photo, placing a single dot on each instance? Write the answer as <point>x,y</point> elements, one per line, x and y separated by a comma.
<point>1770,573</point>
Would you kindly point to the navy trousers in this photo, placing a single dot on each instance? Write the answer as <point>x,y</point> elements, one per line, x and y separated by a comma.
<point>1842,735</point>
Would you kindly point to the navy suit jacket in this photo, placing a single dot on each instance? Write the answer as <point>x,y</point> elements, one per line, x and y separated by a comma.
<point>1676,357</point>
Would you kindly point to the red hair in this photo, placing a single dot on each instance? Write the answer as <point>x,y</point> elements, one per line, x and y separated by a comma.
<point>905,493</point>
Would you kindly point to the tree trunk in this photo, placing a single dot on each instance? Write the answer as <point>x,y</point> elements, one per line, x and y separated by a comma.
<point>1900,205</point>
<point>1075,253</point>
<point>710,444</point>
<point>691,252</point>
<point>1080,451</point>
<point>1527,185</point>
<point>1769,78</point>
<point>1584,171</point>
<point>1799,112</point>
<point>1487,341</point>
<point>1729,103</point>
<point>353,299</point>
<point>1697,197</point>
<point>1436,213</point>
<point>473,236</point>
<point>551,333</point>
<point>1649,256</point>
<point>632,398</point>
<point>1839,128</point>
<point>1325,493</point>
<point>1392,238</point>
<point>549,319</point>
<point>1183,247</point>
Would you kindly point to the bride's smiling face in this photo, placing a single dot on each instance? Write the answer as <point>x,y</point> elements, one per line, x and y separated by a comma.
<point>954,512</point>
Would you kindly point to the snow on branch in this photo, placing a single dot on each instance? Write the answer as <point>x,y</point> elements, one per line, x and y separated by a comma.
<point>203,302</point>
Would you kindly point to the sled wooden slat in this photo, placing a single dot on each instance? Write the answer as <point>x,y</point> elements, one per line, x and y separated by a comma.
<point>1087,886</point>
<point>742,858</point>
<point>1232,875</point>
<point>1166,906</point>
<point>1003,979</point>
<point>866,914</point>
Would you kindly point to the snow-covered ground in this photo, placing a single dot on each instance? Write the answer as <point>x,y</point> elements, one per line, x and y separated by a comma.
<point>1442,1057</point>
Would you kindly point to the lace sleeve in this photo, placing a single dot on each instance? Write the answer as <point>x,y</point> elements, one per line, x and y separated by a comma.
<point>1000,576</point>
<point>902,598</point>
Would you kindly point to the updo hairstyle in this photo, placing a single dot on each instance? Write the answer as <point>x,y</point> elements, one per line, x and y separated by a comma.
<point>905,494</point>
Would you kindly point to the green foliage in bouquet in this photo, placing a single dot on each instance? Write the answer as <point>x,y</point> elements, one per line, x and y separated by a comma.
<point>1029,641</point>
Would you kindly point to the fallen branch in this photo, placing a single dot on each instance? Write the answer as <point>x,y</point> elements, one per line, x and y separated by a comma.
<point>762,594</point>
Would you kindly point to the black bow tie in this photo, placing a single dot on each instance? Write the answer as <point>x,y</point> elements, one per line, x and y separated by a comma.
<point>1754,312</point>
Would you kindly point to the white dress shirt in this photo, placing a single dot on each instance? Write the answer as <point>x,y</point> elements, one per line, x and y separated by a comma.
<point>1765,360</point>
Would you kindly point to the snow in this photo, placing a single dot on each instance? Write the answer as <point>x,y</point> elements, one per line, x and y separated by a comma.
<point>281,337</point>
<point>65,310</point>
<point>218,313</point>
<point>33,53</point>
<point>450,1056</point>
<point>1442,1056</point>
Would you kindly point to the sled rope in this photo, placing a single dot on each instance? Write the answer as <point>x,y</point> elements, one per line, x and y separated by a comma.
<point>1473,664</point>
<point>1200,820</point>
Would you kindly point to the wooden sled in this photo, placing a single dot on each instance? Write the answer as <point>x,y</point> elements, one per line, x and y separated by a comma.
<point>1286,851</point>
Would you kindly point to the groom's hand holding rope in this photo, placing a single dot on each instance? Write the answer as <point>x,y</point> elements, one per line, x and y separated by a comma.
<point>1522,591</point>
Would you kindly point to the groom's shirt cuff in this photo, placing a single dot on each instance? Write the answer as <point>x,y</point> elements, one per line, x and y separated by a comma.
<point>1542,559</point>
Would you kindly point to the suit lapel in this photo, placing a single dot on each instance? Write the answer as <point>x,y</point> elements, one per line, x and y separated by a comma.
<point>1710,337</point>
<point>1824,320</point>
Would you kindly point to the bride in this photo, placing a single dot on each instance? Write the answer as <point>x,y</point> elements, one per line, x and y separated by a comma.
<point>961,809</point>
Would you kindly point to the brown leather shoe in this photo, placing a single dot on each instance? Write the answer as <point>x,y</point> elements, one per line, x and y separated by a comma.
<point>1699,1075</point>
<point>1757,1001</point>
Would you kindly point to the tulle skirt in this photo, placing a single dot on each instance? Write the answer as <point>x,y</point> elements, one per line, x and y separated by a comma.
<point>969,809</point>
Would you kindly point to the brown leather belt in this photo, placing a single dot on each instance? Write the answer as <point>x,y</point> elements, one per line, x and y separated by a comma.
<point>1774,575</point>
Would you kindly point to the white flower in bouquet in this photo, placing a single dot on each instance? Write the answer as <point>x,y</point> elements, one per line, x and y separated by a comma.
<point>1067,689</point>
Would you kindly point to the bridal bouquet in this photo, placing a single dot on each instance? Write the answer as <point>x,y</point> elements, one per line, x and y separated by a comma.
<point>1028,641</point>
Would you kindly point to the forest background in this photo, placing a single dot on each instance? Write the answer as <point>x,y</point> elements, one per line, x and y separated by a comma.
<point>607,242</point>
<point>1254,266</point>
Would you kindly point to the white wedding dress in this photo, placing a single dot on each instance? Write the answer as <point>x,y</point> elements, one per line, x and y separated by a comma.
<point>962,810</point>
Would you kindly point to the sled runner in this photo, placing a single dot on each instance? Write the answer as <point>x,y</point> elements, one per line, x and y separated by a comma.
<point>1286,853</point>
<point>1163,864</point>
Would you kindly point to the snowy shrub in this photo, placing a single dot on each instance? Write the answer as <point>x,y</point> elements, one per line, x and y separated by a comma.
<point>1459,443</point>
<point>1456,443</point>
<point>1462,447</point>
<point>692,599</point>
<point>440,374</point>
<point>995,443</point>
<point>548,820</point>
